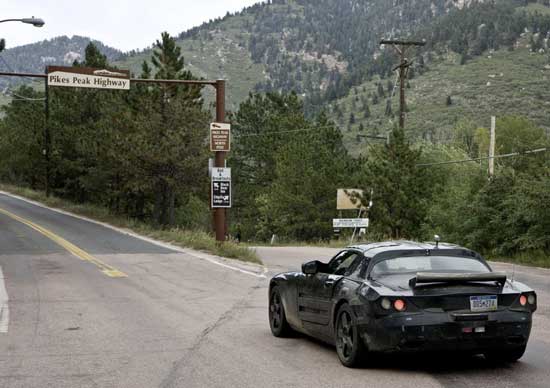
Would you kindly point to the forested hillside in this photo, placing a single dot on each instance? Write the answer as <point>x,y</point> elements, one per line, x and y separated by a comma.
<point>33,58</point>
<point>318,49</point>
<point>328,53</point>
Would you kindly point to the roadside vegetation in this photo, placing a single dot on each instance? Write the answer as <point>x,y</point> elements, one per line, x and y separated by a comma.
<point>126,158</point>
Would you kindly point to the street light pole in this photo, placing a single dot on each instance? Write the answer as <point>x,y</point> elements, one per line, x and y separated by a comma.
<point>37,22</point>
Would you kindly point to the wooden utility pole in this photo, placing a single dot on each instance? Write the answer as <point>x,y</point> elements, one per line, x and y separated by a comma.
<point>219,161</point>
<point>401,47</point>
<point>46,150</point>
<point>492,144</point>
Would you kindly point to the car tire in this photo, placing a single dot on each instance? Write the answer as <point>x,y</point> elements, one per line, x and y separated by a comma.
<point>277,317</point>
<point>349,345</point>
<point>511,355</point>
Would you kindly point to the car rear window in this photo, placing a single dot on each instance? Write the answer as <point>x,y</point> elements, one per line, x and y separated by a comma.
<point>415,264</point>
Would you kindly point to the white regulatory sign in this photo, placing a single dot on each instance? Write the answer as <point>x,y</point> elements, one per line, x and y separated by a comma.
<point>350,223</point>
<point>221,188</point>
<point>221,174</point>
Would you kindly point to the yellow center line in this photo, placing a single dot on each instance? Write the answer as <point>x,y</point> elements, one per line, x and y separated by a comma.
<point>104,267</point>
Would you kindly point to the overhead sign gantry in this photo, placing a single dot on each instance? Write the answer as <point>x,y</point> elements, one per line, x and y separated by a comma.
<point>120,79</point>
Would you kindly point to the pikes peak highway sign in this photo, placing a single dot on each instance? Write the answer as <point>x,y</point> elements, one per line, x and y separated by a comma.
<point>87,77</point>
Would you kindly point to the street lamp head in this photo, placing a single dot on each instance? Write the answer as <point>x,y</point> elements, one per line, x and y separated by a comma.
<point>37,22</point>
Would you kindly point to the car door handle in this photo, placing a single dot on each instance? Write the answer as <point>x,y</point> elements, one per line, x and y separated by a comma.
<point>329,283</point>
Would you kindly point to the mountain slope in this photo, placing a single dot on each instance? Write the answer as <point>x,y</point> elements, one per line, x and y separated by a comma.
<point>498,83</point>
<point>318,48</point>
<point>322,49</point>
<point>32,58</point>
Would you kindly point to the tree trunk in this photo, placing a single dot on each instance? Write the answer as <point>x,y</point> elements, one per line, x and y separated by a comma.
<point>171,214</point>
<point>159,201</point>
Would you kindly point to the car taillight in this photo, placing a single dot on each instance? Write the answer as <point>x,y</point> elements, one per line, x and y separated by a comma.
<point>531,299</point>
<point>399,305</point>
<point>523,300</point>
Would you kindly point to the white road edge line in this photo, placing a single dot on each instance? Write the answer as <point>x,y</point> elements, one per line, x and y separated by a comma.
<point>216,260</point>
<point>4,308</point>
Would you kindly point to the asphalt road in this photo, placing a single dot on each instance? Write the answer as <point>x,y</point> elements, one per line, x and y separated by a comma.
<point>92,307</point>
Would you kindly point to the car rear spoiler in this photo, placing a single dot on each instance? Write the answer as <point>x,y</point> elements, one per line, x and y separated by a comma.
<point>426,277</point>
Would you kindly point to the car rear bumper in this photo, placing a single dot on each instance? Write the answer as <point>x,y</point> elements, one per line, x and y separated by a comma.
<point>443,331</point>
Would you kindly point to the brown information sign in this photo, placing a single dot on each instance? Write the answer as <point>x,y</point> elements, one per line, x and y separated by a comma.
<point>220,137</point>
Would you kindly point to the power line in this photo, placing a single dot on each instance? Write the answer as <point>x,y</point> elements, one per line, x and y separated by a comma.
<point>290,131</point>
<point>11,68</point>
<point>306,130</point>
<point>510,155</point>
<point>23,98</point>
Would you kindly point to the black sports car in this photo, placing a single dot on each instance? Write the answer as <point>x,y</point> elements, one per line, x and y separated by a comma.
<point>404,296</point>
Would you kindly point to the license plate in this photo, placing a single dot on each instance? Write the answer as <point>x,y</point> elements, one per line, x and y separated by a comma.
<point>483,303</point>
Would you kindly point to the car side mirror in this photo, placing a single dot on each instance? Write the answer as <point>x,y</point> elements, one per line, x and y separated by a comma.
<point>311,267</point>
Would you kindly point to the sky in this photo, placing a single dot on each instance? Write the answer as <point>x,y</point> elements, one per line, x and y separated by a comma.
<point>122,24</point>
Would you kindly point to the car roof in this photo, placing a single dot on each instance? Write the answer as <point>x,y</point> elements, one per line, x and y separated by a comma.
<point>373,249</point>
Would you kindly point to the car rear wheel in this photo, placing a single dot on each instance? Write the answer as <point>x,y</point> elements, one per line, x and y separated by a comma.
<point>511,355</point>
<point>349,345</point>
<point>277,318</point>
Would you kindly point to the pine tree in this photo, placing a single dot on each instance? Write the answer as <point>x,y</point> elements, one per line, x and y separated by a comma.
<point>169,64</point>
<point>401,189</point>
<point>164,103</point>
<point>94,57</point>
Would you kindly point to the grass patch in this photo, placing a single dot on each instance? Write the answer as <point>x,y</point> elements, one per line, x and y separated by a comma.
<point>198,240</point>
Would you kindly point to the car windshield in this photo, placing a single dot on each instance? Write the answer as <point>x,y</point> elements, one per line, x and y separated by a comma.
<point>413,264</point>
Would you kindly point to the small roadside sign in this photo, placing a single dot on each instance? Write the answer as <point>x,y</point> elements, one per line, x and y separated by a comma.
<point>350,223</point>
<point>221,187</point>
<point>88,77</point>
<point>349,199</point>
<point>220,137</point>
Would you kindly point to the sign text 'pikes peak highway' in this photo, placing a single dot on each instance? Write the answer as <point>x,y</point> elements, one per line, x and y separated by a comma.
<point>85,77</point>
